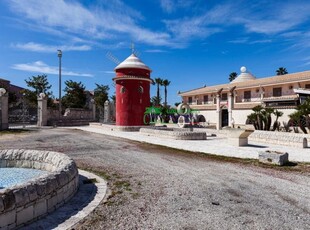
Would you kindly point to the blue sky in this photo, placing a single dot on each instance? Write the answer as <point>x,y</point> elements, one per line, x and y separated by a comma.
<point>189,42</point>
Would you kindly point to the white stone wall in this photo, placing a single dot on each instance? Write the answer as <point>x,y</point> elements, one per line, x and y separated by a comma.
<point>27,202</point>
<point>240,116</point>
<point>281,138</point>
<point>210,116</point>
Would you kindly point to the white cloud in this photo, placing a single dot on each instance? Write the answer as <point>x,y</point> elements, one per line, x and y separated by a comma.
<point>247,40</point>
<point>240,40</point>
<point>109,72</point>
<point>245,14</point>
<point>170,6</point>
<point>203,25</point>
<point>275,18</point>
<point>41,67</point>
<point>105,21</point>
<point>167,5</point>
<point>261,41</point>
<point>36,47</point>
<point>110,21</point>
<point>156,51</point>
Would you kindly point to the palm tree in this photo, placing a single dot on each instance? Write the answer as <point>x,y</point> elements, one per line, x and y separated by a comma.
<point>159,82</point>
<point>232,76</point>
<point>165,84</point>
<point>281,71</point>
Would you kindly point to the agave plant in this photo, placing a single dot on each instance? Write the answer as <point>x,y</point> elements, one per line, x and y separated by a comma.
<point>276,124</point>
<point>301,116</point>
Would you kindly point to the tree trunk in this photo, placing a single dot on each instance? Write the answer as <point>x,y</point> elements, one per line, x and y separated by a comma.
<point>260,123</point>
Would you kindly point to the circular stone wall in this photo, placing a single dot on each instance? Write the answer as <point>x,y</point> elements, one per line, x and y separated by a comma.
<point>35,198</point>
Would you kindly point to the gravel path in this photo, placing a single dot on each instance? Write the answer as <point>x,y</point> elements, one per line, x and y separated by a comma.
<point>153,187</point>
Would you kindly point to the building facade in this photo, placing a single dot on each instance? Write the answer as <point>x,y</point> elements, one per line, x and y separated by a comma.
<point>227,104</point>
<point>14,89</point>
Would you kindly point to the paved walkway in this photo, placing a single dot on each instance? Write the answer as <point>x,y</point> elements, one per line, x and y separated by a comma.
<point>213,145</point>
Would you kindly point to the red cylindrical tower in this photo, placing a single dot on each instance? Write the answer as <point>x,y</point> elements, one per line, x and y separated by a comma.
<point>132,91</point>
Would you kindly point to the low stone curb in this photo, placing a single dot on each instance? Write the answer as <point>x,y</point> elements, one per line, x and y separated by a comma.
<point>88,197</point>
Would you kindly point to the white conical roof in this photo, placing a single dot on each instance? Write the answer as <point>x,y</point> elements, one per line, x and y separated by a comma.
<point>132,62</point>
<point>244,76</point>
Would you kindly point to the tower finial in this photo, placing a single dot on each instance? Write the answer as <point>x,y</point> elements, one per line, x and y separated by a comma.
<point>132,47</point>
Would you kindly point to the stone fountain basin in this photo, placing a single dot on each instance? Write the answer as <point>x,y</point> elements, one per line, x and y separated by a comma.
<point>26,202</point>
<point>176,134</point>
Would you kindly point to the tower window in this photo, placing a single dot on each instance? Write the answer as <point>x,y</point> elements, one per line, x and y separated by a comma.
<point>122,90</point>
<point>140,89</point>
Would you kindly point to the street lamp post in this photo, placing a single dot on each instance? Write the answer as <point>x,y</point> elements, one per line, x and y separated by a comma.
<point>59,56</point>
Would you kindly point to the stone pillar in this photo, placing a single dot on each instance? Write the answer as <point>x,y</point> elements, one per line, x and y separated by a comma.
<point>107,112</point>
<point>218,112</point>
<point>230,106</point>
<point>42,110</point>
<point>4,111</point>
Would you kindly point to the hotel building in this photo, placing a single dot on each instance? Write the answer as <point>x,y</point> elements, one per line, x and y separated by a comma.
<point>227,104</point>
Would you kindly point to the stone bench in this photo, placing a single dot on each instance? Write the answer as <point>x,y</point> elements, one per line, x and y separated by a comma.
<point>280,138</point>
<point>174,134</point>
<point>238,137</point>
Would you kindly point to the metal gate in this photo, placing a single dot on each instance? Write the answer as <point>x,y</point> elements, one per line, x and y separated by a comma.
<point>22,114</point>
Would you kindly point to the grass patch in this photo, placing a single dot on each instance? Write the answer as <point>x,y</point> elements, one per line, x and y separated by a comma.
<point>122,184</point>
<point>290,166</point>
<point>102,174</point>
<point>119,188</point>
<point>14,131</point>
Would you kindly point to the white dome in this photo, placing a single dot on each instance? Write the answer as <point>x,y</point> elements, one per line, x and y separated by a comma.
<point>244,76</point>
<point>243,69</point>
<point>132,62</point>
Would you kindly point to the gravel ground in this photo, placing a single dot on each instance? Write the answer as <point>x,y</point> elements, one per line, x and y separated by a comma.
<point>153,187</point>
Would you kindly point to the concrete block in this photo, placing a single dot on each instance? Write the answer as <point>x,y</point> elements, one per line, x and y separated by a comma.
<point>51,203</point>
<point>21,196</point>
<point>3,163</point>
<point>8,200</point>
<point>60,195</point>
<point>238,141</point>
<point>32,192</point>
<point>273,157</point>
<point>7,218</point>
<point>1,204</point>
<point>40,208</point>
<point>24,215</point>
